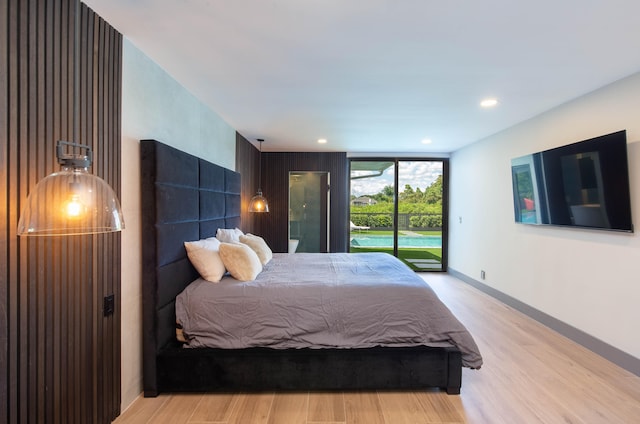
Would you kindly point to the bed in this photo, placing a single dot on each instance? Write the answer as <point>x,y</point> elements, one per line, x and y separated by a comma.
<point>185,198</point>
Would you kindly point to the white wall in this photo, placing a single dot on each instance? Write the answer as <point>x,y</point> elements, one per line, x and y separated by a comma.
<point>588,279</point>
<point>155,106</point>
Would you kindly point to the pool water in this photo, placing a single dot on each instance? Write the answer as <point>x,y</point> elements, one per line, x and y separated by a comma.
<point>403,241</point>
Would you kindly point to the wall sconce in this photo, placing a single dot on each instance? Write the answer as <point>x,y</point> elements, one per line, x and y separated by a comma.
<point>71,201</point>
<point>258,202</point>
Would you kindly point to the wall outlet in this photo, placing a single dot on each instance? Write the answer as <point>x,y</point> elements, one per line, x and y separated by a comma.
<point>482,274</point>
<point>108,305</point>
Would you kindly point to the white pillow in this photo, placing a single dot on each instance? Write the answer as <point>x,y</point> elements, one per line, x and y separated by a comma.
<point>229,235</point>
<point>258,245</point>
<point>240,261</point>
<point>205,257</point>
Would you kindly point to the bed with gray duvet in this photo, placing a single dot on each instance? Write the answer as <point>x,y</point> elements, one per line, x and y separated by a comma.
<point>319,301</point>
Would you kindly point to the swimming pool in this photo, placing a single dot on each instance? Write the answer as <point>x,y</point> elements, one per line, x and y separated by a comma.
<point>363,240</point>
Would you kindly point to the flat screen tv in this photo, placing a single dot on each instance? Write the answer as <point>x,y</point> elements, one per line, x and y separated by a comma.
<point>584,184</point>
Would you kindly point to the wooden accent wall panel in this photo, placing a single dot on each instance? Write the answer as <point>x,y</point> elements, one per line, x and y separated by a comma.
<point>276,166</point>
<point>275,186</point>
<point>247,164</point>
<point>59,356</point>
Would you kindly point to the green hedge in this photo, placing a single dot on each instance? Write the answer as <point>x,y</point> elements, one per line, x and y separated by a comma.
<point>426,221</point>
<point>386,221</point>
<point>373,221</point>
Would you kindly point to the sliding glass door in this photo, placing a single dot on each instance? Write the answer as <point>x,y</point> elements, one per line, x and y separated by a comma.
<point>399,206</point>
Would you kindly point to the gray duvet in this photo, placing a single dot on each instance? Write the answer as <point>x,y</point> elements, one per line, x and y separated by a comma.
<point>320,300</point>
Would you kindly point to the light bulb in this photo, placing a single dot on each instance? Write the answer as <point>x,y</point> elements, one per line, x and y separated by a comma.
<point>74,208</point>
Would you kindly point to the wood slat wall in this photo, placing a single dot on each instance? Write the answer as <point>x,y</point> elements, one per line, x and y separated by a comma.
<point>275,186</point>
<point>59,357</point>
<point>276,166</point>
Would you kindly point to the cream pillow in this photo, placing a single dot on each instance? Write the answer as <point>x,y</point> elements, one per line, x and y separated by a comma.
<point>205,258</point>
<point>229,235</point>
<point>240,261</point>
<point>258,245</point>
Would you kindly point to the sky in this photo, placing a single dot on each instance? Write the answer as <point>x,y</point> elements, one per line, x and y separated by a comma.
<point>415,173</point>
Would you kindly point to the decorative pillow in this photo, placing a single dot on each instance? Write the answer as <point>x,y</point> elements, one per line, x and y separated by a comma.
<point>229,235</point>
<point>205,258</point>
<point>180,336</point>
<point>258,245</point>
<point>240,261</point>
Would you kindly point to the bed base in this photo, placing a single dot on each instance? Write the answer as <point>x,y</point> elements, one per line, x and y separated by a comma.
<point>261,369</point>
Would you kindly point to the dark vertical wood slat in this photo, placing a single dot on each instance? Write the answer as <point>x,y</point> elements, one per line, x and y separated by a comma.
<point>75,243</point>
<point>69,342</point>
<point>32,285</point>
<point>91,280</point>
<point>66,347</point>
<point>116,264</point>
<point>324,184</point>
<point>29,274</point>
<point>8,250</point>
<point>34,407</point>
<point>43,289</point>
<point>38,75</point>
<point>55,111</point>
<point>66,83</point>
<point>99,169</point>
<point>4,183</point>
<point>56,354</point>
<point>46,104</point>
<point>27,266</point>
<point>50,103</point>
<point>103,170</point>
<point>247,157</point>
<point>87,310</point>
<point>110,289</point>
<point>116,248</point>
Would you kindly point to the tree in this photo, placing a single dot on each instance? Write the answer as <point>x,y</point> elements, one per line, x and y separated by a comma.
<point>407,195</point>
<point>385,196</point>
<point>433,193</point>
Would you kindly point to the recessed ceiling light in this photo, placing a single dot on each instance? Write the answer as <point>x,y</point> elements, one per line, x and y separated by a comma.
<point>322,141</point>
<point>426,141</point>
<point>489,102</point>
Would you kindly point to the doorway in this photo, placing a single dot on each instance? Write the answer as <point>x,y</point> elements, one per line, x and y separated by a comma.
<point>308,211</point>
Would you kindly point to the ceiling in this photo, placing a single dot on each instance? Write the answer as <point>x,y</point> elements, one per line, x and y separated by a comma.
<point>381,75</point>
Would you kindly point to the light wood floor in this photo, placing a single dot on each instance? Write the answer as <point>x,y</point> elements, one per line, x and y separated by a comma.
<point>530,375</point>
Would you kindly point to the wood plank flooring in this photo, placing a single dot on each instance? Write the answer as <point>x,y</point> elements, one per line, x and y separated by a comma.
<point>531,374</point>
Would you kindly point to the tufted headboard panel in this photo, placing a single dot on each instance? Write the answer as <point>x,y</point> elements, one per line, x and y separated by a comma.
<point>183,198</point>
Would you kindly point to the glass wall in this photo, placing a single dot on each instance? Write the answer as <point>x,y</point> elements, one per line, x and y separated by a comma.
<point>399,207</point>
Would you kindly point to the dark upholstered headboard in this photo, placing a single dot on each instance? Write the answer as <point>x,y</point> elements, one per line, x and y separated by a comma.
<point>184,198</point>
